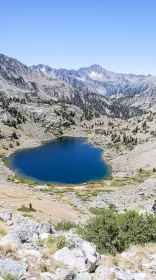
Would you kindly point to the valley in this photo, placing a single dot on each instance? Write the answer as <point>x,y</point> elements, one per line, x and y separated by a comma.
<point>35,109</point>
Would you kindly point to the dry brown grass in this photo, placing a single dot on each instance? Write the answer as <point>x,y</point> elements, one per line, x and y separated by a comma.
<point>111,277</point>
<point>3,229</point>
<point>53,266</point>
<point>135,263</point>
<point>49,252</point>
<point>7,249</point>
<point>132,263</point>
<point>143,252</point>
<point>109,260</point>
<point>43,267</point>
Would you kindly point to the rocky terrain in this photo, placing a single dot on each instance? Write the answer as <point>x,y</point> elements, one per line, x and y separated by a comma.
<point>35,108</point>
<point>35,250</point>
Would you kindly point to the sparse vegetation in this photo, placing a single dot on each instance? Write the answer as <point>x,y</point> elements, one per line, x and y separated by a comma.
<point>16,179</point>
<point>9,277</point>
<point>23,208</point>
<point>56,241</point>
<point>65,225</point>
<point>3,229</point>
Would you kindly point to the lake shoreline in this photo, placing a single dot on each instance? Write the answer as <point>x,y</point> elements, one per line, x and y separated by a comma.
<point>8,161</point>
<point>122,166</point>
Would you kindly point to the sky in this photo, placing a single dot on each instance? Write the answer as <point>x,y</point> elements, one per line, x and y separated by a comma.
<point>119,35</point>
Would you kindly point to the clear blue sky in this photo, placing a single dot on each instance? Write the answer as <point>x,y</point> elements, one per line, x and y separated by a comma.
<point>120,35</point>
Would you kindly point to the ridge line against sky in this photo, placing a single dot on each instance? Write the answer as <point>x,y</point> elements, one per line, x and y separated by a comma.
<point>118,35</point>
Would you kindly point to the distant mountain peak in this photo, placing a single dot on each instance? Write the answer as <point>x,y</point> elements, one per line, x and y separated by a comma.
<point>95,67</point>
<point>41,67</point>
<point>98,80</point>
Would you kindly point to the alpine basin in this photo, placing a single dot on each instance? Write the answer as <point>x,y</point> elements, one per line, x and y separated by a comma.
<point>66,160</point>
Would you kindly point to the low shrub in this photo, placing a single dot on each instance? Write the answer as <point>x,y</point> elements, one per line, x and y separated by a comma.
<point>65,225</point>
<point>9,277</point>
<point>23,208</point>
<point>58,241</point>
<point>113,232</point>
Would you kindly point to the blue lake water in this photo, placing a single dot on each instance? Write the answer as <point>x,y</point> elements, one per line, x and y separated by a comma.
<point>66,160</point>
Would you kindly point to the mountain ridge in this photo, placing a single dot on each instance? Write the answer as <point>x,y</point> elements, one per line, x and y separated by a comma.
<point>19,81</point>
<point>98,80</point>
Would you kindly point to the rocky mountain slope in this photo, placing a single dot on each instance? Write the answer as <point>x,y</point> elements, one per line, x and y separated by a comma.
<point>146,100</point>
<point>98,80</point>
<point>19,81</point>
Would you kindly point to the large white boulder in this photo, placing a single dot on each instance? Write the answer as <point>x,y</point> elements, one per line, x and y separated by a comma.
<point>83,257</point>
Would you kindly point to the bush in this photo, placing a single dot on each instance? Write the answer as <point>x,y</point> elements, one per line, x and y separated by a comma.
<point>59,241</point>
<point>9,277</point>
<point>64,225</point>
<point>113,232</point>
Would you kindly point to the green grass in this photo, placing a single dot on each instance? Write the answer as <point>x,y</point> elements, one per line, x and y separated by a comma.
<point>9,277</point>
<point>23,208</point>
<point>139,178</point>
<point>88,194</point>
<point>16,179</point>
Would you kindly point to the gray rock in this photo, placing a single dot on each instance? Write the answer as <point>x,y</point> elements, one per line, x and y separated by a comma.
<point>83,276</point>
<point>32,253</point>
<point>123,275</point>
<point>11,238</point>
<point>150,265</point>
<point>16,269</point>
<point>66,274</point>
<point>128,255</point>
<point>45,228</point>
<point>47,276</point>
<point>77,202</point>
<point>103,272</point>
<point>25,230</point>
<point>6,216</point>
<point>83,258</point>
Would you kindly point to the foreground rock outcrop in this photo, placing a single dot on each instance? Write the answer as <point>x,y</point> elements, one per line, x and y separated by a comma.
<point>25,230</point>
<point>35,251</point>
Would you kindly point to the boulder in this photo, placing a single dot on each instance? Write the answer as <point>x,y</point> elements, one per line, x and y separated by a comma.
<point>11,238</point>
<point>102,272</point>
<point>45,228</point>
<point>66,274</point>
<point>48,276</point>
<point>44,235</point>
<point>25,230</point>
<point>9,266</point>
<point>83,258</point>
